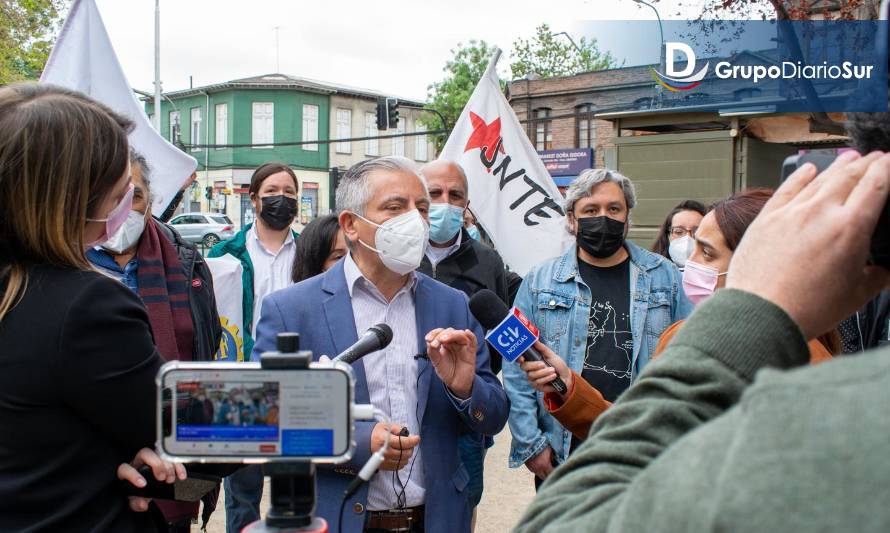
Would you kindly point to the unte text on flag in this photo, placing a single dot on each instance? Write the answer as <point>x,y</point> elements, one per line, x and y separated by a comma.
<point>511,193</point>
<point>84,60</point>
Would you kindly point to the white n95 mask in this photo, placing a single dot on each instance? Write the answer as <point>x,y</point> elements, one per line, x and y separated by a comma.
<point>681,250</point>
<point>400,242</point>
<point>127,235</point>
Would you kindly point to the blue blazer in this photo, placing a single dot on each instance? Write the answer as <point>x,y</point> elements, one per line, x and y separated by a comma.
<point>320,310</point>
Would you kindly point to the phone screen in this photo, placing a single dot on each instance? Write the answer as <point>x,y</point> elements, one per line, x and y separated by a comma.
<point>249,412</point>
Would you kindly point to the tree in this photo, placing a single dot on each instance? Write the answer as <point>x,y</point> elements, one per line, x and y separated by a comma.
<point>462,74</point>
<point>783,9</point>
<point>548,55</point>
<point>27,32</point>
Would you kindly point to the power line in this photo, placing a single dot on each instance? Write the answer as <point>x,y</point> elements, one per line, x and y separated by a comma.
<point>318,141</point>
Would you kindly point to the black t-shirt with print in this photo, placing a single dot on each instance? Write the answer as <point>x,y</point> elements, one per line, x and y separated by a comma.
<point>608,359</point>
<point>609,354</point>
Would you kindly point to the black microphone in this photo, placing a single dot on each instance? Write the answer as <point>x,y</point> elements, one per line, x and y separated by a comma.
<point>489,310</point>
<point>376,338</point>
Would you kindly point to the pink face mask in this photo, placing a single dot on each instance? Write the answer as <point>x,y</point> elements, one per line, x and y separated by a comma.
<point>116,217</point>
<point>699,281</point>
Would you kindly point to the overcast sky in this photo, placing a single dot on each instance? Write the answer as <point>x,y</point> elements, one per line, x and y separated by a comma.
<point>394,46</point>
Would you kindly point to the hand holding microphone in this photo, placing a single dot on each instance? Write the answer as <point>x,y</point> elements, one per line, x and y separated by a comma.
<point>510,332</point>
<point>541,374</point>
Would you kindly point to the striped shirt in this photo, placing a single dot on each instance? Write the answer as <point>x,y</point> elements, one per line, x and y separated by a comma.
<point>392,380</point>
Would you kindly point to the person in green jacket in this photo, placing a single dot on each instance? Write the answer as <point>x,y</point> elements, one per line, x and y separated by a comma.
<point>267,247</point>
<point>708,439</point>
<point>266,250</point>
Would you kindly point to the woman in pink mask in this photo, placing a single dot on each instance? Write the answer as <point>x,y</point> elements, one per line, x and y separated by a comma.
<point>77,363</point>
<point>718,235</point>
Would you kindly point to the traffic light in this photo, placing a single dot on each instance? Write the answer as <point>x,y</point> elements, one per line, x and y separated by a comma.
<point>381,114</point>
<point>392,112</point>
<point>208,192</point>
<point>387,113</point>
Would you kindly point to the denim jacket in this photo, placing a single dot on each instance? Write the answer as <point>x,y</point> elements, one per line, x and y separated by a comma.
<point>555,298</point>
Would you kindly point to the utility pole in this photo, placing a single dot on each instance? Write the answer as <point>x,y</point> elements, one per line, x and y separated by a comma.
<point>157,104</point>
<point>277,52</point>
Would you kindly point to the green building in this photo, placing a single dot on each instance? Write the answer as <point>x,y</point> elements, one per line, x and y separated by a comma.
<point>248,113</point>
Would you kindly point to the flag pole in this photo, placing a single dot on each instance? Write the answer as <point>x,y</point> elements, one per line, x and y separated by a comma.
<point>157,104</point>
<point>493,62</point>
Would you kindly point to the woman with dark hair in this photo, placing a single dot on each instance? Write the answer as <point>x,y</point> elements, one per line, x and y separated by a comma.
<point>676,236</point>
<point>78,364</point>
<point>266,250</point>
<point>319,247</point>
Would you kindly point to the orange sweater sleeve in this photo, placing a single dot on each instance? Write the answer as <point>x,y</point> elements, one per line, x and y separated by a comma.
<point>577,412</point>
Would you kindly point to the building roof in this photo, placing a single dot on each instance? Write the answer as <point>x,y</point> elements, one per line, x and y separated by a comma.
<point>286,81</point>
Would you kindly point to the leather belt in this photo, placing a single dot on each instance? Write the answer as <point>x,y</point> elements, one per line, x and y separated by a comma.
<point>396,519</point>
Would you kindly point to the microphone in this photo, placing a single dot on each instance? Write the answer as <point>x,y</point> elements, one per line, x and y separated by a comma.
<point>492,313</point>
<point>376,338</point>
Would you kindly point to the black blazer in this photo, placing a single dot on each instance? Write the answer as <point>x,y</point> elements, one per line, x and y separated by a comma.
<point>77,398</point>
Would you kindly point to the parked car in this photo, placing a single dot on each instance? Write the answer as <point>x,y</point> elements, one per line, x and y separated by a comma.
<point>206,228</point>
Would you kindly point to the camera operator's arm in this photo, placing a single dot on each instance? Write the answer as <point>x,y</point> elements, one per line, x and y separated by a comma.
<point>788,294</point>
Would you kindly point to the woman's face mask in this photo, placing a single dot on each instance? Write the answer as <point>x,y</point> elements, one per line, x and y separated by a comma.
<point>699,281</point>
<point>681,250</point>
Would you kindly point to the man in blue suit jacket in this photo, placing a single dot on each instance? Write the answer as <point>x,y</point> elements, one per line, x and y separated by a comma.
<point>434,378</point>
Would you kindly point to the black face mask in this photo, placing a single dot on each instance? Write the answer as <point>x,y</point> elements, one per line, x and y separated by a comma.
<point>601,237</point>
<point>278,211</point>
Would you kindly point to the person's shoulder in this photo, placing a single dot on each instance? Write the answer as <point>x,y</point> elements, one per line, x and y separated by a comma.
<point>855,373</point>
<point>486,252</point>
<point>439,289</point>
<point>68,283</point>
<point>235,245</point>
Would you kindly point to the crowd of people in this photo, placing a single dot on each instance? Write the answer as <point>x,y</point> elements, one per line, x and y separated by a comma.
<point>666,422</point>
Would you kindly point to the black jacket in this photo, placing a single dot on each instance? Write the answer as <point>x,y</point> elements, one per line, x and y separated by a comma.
<point>208,330</point>
<point>77,398</point>
<point>869,327</point>
<point>471,268</point>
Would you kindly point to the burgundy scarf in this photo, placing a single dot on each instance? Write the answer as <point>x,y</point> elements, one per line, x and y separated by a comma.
<point>164,290</point>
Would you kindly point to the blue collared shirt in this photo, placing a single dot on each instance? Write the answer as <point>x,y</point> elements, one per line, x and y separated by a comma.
<point>105,262</point>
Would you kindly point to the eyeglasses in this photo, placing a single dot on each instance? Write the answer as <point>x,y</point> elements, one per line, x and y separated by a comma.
<point>679,231</point>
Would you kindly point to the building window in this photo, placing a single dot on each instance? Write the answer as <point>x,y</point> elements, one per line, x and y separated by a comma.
<point>543,132</point>
<point>585,132</point>
<point>310,126</point>
<point>174,126</point>
<point>344,130</point>
<point>263,124</point>
<point>372,146</point>
<point>420,144</point>
<point>398,143</point>
<point>195,133</point>
<point>222,124</point>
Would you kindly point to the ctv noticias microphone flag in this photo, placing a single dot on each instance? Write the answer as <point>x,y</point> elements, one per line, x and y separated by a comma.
<point>84,60</point>
<point>511,193</point>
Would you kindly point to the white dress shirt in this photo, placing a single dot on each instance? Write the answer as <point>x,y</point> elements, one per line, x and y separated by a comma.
<point>392,379</point>
<point>437,255</point>
<point>272,271</point>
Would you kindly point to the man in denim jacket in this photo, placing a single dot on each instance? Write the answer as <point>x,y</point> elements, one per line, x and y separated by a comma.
<point>601,306</point>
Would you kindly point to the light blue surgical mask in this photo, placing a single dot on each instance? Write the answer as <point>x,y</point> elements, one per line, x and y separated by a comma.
<point>445,221</point>
<point>474,232</point>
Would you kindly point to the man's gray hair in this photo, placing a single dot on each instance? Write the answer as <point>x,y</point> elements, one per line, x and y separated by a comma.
<point>353,192</point>
<point>583,186</point>
<point>137,159</point>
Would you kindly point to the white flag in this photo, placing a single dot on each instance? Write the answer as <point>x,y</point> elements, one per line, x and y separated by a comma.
<point>227,287</point>
<point>84,60</point>
<point>511,193</point>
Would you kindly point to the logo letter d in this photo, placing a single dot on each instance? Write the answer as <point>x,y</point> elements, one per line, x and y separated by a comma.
<point>669,48</point>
